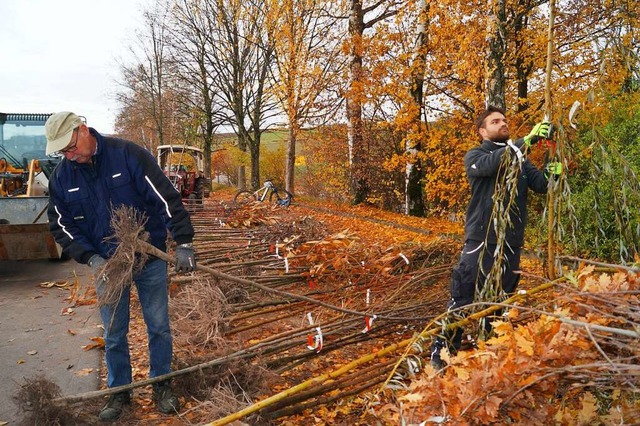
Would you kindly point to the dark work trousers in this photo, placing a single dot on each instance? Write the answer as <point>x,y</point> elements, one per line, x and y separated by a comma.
<point>466,277</point>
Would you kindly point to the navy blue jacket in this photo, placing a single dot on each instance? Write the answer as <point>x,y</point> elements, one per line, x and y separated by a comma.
<point>482,165</point>
<point>82,197</point>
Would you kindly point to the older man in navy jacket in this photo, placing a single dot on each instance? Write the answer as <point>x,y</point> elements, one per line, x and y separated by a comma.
<point>97,175</point>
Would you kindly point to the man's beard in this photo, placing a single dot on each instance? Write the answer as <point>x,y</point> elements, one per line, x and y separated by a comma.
<point>501,135</point>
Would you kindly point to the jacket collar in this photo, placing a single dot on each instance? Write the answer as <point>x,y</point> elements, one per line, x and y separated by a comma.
<point>99,141</point>
<point>491,145</point>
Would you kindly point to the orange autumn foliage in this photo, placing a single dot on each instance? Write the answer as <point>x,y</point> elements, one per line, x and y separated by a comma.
<point>529,372</point>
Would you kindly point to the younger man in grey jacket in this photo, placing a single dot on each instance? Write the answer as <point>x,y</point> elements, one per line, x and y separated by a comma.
<point>483,165</point>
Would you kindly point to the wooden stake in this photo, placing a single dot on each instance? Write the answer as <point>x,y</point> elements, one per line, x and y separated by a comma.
<point>548,109</point>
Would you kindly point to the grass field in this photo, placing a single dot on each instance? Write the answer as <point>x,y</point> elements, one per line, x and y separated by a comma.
<point>271,141</point>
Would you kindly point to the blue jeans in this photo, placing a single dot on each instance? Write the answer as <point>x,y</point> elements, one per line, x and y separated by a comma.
<point>151,283</point>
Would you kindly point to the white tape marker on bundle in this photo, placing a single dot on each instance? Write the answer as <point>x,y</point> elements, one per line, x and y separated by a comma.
<point>404,258</point>
<point>368,320</point>
<point>314,343</point>
<point>286,265</point>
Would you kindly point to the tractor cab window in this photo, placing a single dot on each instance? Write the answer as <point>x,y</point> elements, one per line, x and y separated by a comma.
<point>22,138</point>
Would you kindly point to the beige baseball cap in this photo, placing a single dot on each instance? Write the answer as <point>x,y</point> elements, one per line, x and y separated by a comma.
<point>58,130</point>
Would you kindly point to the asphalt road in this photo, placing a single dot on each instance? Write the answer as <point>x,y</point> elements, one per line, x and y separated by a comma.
<point>38,338</point>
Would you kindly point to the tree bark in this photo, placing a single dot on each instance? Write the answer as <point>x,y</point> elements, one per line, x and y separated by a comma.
<point>496,45</point>
<point>291,158</point>
<point>414,197</point>
<point>355,138</point>
<point>523,65</point>
<point>254,148</point>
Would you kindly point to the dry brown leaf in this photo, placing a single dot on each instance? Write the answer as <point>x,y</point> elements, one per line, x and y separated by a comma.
<point>523,342</point>
<point>589,409</point>
<point>491,406</point>
<point>586,271</point>
<point>412,397</point>
<point>99,343</point>
<point>84,372</point>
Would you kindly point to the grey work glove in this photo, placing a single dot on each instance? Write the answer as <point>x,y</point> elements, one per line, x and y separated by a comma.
<point>97,264</point>
<point>185,258</point>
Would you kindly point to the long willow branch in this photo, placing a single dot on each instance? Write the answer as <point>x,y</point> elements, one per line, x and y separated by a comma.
<point>606,265</point>
<point>370,376</point>
<point>244,353</point>
<point>551,198</point>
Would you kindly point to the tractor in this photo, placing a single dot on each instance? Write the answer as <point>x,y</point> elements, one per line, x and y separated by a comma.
<point>24,178</point>
<point>184,166</point>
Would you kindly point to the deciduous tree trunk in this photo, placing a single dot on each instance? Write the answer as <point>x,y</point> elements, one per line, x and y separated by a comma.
<point>291,159</point>
<point>496,45</point>
<point>414,199</point>
<point>357,151</point>
<point>523,64</point>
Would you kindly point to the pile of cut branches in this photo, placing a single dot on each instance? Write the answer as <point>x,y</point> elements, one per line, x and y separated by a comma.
<point>576,362</point>
<point>327,316</point>
<point>392,284</point>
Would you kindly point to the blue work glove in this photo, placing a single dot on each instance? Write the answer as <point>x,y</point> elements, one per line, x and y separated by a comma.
<point>97,264</point>
<point>185,258</point>
<point>539,131</point>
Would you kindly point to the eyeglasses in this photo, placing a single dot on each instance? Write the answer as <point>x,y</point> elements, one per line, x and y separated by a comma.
<point>74,146</point>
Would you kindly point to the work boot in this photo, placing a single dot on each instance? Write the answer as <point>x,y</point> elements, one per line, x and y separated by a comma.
<point>113,410</point>
<point>436,361</point>
<point>166,401</point>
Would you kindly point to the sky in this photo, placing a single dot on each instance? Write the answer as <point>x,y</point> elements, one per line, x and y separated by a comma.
<point>65,55</point>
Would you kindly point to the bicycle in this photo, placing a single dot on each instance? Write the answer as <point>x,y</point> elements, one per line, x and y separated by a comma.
<point>268,190</point>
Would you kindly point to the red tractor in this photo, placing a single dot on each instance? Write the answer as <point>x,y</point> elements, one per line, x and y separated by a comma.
<point>184,166</point>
